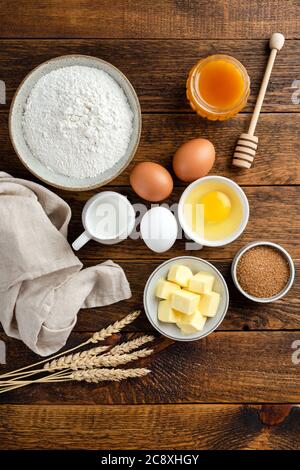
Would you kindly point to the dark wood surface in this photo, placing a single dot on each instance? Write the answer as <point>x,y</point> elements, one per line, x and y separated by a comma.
<point>163,133</point>
<point>238,388</point>
<point>225,367</point>
<point>158,68</point>
<point>188,426</point>
<point>149,19</point>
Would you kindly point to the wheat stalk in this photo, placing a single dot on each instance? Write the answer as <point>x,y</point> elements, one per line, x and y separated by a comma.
<point>129,346</point>
<point>113,329</point>
<point>13,384</point>
<point>98,336</point>
<point>64,362</point>
<point>69,365</point>
<point>90,375</point>
<point>99,375</point>
<point>109,361</point>
<point>86,357</point>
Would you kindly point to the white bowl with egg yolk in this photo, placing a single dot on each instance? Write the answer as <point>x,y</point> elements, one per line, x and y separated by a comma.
<point>228,222</point>
<point>170,330</point>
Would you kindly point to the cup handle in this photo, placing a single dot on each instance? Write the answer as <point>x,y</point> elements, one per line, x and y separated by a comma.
<point>80,241</point>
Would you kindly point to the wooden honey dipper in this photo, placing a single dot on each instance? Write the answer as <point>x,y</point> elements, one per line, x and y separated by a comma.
<point>246,147</point>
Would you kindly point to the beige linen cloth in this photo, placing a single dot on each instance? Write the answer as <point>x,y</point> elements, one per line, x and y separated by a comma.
<point>42,286</point>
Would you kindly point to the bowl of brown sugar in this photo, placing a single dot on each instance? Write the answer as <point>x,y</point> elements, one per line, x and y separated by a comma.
<point>263,271</point>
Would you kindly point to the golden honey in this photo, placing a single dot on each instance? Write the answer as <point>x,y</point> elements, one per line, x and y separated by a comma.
<point>218,87</point>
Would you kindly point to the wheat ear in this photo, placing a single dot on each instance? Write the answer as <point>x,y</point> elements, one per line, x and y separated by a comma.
<point>91,375</point>
<point>129,346</point>
<point>113,329</point>
<point>109,361</point>
<point>64,362</point>
<point>118,355</point>
<point>99,375</point>
<point>98,336</point>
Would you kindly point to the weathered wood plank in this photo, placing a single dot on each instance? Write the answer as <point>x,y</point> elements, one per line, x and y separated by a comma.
<point>213,427</point>
<point>148,19</point>
<point>225,367</point>
<point>274,216</point>
<point>242,314</point>
<point>277,159</point>
<point>158,68</point>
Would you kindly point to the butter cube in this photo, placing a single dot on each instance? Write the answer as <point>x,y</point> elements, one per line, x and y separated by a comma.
<point>165,288</point>
<point>166,313</point>
<point>185,301</point>
<point>209,304</point>
<point>180,274</point>
<point>191,323</point>
<point>201,283</point>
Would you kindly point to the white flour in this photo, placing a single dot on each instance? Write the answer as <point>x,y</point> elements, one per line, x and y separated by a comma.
<point>77,121</point>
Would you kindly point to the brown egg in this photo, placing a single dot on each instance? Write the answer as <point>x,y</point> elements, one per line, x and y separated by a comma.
<point>194,159</point>
<point>151,181</point>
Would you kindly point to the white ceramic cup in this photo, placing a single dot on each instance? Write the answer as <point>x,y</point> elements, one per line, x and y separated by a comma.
<point>107,218</point>
<point>201,241</point>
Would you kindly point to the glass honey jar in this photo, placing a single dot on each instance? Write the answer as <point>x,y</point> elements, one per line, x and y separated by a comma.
<point>218,87</point>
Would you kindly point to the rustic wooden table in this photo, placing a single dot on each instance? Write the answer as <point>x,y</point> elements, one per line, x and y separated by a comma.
<point>238,388</point>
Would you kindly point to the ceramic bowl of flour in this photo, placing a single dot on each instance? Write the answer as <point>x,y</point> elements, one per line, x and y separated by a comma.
<point>75,122</point>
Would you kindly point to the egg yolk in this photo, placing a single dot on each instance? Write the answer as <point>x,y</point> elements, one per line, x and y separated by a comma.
<point>217,206</point>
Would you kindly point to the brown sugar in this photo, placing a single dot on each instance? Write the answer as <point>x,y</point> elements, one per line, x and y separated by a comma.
<point>263,271</point>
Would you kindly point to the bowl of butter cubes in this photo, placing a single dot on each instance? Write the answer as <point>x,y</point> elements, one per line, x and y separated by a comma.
<point>186,298</point>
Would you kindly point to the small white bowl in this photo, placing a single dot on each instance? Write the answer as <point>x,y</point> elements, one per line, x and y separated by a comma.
<point>194,236</point>
<point>263,300</point>
<point>151,301</point>
<point>36,167</point>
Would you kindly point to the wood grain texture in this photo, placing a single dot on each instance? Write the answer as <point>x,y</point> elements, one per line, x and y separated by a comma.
<point>163,134</point>
<point>272,415</point>
<point>158,69</point>
<point>274,216</point>
<point>225,367</point>
<point>242,315</point>
<point>148,18</point>
<point>182,427</point>
<point>184,402</point>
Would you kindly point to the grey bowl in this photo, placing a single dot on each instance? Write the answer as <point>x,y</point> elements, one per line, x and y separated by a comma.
<point>151,302</point>
<point>265,299</point>
<point>32,163</point>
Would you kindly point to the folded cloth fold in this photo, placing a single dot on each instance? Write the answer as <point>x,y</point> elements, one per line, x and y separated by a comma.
<point>42,283</point>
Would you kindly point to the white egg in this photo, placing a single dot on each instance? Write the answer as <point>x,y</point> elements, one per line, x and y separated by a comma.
<point>159,229</point>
